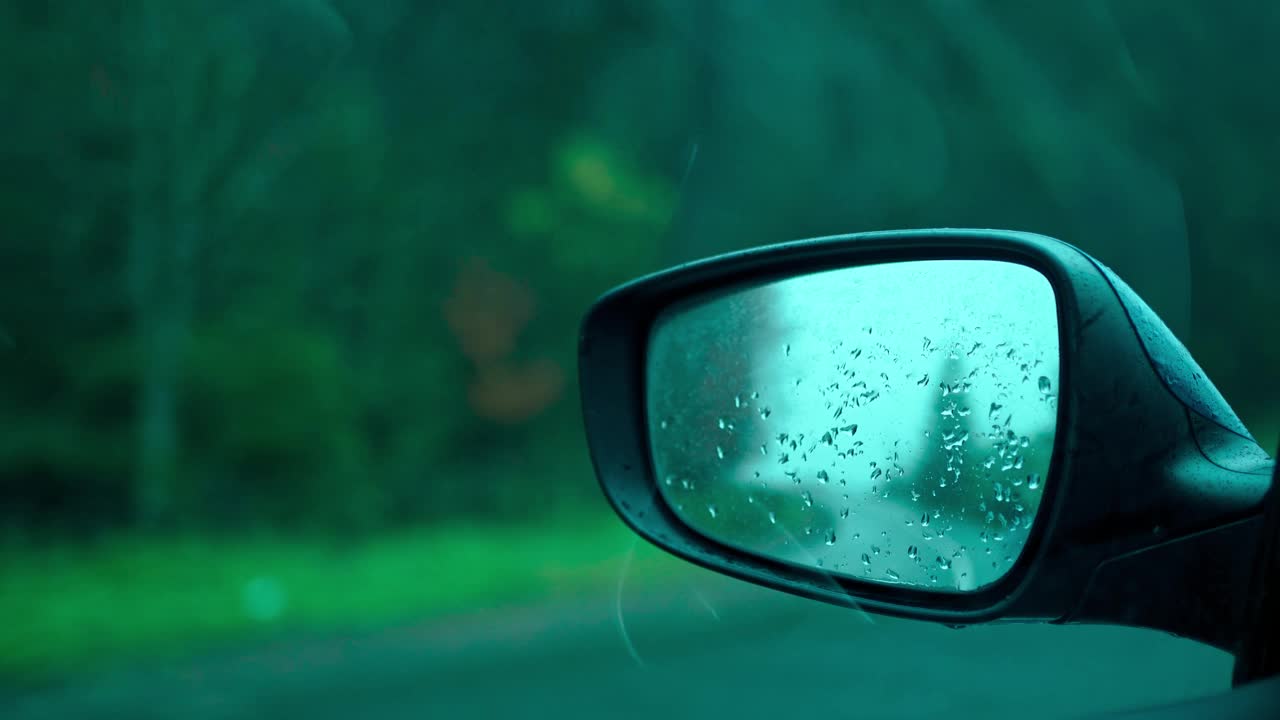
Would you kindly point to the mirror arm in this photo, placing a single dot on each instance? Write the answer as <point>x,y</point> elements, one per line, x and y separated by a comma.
<point>1193,586</point>
<point>1197,583</point>
<point>1258,654</point>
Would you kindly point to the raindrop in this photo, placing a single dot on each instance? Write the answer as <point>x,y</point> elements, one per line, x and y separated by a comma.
<point>711,510</point>
<point>875,549</point>
<point>807,498</point>
<point>669,480</point>
<point>924,380</point>
<point>773,518</point>
<point>737,401</point>
<point>1045,385</point>
<point>783,459</point>
<point>765,413</point>
<point>787,350</point>
<point>844,513</point>
<point>764,451</point>
<point>913,552</point>
<point>831,537</point>
<point>827,438</point>
<point>666,423</point>
<point>866,559</point>
<point>891,575</point>
<point>725,424</point>
<point>719,452</point>
<point>995,409</point>
<point>823,477</point>
<point>1033,481</point>
<point>943,563</point>
<point>924,520</point>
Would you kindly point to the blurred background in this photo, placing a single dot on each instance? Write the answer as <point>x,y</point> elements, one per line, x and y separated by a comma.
<point>289,295</point>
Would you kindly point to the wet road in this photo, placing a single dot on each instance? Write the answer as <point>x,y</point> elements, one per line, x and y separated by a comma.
<point>706,647</point>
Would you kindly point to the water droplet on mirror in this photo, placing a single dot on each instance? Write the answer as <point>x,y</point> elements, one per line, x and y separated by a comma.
<point>943,563</point>
<point>823,477</point>
<point>875,549</point>
<point>773,518</point>
<point>669,480</point>
<point>913,552</point>
<point>844,513</point>
<point>806,498</point>
<point>711,510</point>
<point>1044,384</point>
<point>787,350</point>
<point>924,520</point>
<point>719,452</point>
<point>737,401</point>
<point>923,381</point>
<point>666,423</point>
<point>892,575</point>
<point>831,537</point>
<point>1033,481</point>
<point>866,559</point>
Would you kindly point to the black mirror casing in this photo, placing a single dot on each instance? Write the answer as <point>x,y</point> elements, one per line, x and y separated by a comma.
<point>1154,498</point>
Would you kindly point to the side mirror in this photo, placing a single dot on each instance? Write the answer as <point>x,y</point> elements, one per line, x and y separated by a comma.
<point>958,426</point>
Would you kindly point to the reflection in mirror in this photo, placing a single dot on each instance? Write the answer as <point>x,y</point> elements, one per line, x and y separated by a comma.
<point>891,423</point>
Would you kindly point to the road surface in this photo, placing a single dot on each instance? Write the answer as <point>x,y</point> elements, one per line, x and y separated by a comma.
<point>703,646</point>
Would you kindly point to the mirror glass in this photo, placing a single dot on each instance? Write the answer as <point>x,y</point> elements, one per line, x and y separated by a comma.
<point>892,423</point>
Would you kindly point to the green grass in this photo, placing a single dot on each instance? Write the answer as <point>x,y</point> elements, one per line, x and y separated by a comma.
<point>69,609</point>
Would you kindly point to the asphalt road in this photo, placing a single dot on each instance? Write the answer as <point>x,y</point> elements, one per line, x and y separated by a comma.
<point>701,647</point>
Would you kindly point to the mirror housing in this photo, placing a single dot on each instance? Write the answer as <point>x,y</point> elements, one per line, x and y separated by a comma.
<point>1153,504</point>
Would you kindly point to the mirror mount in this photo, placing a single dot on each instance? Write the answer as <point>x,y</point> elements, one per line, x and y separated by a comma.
<point>1132,453</point>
